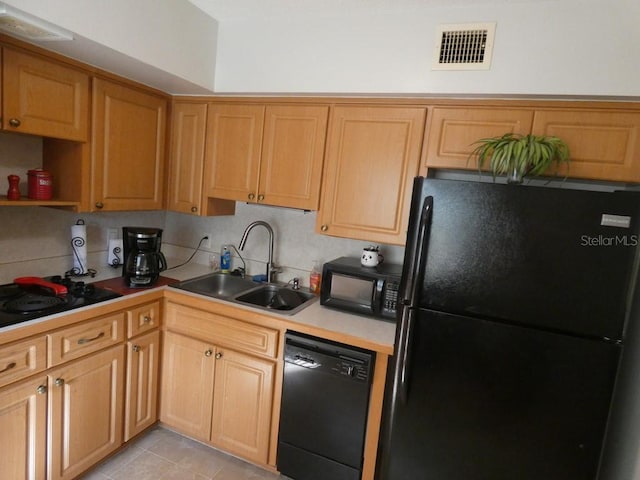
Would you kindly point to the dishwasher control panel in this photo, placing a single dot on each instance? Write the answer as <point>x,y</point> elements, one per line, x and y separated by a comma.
<point>330,357</point>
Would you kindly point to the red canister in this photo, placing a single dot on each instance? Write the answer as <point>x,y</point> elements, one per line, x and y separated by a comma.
<point>40,184</point>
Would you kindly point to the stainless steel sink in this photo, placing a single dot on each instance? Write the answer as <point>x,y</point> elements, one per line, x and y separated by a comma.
<point>276,297</point>
<point>273,297</point>
<point>219,285</point>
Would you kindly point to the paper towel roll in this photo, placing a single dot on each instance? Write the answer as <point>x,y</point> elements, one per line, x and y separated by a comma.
<point>79,244</point>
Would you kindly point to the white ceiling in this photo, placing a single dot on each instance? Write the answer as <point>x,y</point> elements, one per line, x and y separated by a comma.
<point>230,9</point>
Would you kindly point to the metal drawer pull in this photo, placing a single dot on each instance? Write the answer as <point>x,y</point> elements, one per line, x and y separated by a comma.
<point>208,353</point>
<point>59,382</point>
<point>15,122</point>
<point>8,367</point>
<point>136,348</point>
<point>146,319</point>
<point>218,355</point>
<point>82,341</point>
<point>41,389</point>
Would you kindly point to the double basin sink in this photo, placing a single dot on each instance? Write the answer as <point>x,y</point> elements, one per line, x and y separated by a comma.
<point>266,296</point>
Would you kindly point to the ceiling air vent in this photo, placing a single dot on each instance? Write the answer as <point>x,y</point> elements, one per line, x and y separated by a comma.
<point>465,46</point>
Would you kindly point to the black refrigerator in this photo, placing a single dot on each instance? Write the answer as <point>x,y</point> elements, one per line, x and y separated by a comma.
<point>514,302</point>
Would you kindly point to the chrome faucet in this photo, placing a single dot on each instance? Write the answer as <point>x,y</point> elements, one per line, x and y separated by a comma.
<point>270,267</point>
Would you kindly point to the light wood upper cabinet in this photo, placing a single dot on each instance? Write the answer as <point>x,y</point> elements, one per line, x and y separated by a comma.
<point>43,97</point>
<point>266,154</point>
<point>128,148</point>
<point>23,430</point>
<point>453,131</point>
<point>188,130</point>
<point>373,154</point>
<point>234,142</point>
<point>604,144</point>
<point>85,405</point>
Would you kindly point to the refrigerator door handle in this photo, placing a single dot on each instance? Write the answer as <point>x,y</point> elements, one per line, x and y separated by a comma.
<point>413,278</point>
<point>403,359</point>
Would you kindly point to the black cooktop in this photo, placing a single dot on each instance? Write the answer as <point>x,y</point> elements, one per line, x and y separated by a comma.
<point>19,303</point>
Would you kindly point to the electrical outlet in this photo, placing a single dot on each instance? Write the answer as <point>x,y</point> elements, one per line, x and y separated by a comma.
<point>206,243</point>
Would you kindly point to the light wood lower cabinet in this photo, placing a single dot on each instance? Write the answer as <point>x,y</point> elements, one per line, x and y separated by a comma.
<point>187,385</point>
<point>215,392</point>
<point>23,423</point>
<point>242,400</point>
<point>85,405</point>
<point>142,383</point>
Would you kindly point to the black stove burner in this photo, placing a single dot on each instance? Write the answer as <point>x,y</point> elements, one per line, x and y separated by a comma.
<point>19,303</point>
<point>32,302</point>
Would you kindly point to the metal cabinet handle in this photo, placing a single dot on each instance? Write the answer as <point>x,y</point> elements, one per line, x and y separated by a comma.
<point>8,367</point>
<point>324,228</point>
<point>251,196</point>
<point>208,353</point>
<point>218,355</point>
<point>59,382</point>
<point>260,197</point>
<point>136,348</point>
<point>82,341</point>
<point>41,389</point>
<point>146,319</point>
<point>15,122</point>
<point>194,209</point>
<point>99,205</point>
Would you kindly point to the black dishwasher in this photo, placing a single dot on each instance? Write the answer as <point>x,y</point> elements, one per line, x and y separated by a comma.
<point>323,418</point>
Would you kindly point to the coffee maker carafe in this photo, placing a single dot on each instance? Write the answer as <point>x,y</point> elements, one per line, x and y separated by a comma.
<point>143,260</point>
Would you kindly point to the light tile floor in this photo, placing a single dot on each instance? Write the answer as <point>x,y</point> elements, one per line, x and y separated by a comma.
<point>162,454</point>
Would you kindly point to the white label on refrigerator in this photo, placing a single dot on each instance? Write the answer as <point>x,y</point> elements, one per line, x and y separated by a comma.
<point>621,221</point>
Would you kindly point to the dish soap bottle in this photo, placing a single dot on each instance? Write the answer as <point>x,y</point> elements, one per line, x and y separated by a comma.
<point>225,259</point>
<point>315,277</point>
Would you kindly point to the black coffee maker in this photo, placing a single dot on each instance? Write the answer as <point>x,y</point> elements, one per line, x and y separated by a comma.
<point>143,260</point>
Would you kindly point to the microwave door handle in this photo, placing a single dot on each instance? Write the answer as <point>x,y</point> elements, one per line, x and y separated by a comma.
<point>377,296</point>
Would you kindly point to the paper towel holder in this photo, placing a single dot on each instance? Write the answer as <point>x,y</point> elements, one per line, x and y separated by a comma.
<point>78,245</point>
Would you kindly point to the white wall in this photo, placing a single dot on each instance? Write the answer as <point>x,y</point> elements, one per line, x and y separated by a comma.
<point>141,39</point>
<point>563,47</point>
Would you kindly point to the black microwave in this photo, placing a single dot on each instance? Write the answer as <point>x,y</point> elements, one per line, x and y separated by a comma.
<point>347,285</point>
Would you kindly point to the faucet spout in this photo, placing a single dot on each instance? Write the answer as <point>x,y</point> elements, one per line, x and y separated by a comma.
<point>243,241</point>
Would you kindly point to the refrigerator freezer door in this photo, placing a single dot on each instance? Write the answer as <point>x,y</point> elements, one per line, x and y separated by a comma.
<point>529,255</point>
<point>491,401</point>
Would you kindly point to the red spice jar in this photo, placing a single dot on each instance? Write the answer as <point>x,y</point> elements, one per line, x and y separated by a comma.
<point>40,184</point>
<point>14,187</point>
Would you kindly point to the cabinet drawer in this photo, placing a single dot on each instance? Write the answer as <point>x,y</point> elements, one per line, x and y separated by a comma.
<point>21,359</point>
<point>143,319</point>
<point>222,331</point>
<point>80,340</point>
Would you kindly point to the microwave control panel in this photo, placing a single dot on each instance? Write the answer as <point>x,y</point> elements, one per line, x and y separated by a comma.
<point>390,298</point>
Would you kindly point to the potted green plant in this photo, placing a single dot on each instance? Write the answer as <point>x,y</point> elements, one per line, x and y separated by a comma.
<point>517,155</point>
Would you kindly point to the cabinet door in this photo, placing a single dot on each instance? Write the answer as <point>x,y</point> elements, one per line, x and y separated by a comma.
<point>453,131</point>
<point>85,405</point>
<point>41,97</point>
<point>188,128</point>
<point>292,154</point>
<point>242,403</point>
<point>373,153</point>
<point>187,385</point>
<point>128,148</point>
<point>232,159</point>
<point>142,384</point>
<point>23,417</point>
<point>604,145</point>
